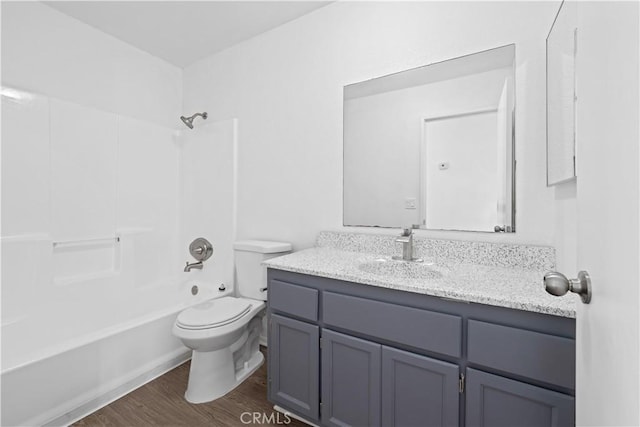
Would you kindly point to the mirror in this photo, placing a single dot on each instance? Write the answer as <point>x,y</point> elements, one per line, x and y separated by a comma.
<point>433,146</point>
<point>561,96</point>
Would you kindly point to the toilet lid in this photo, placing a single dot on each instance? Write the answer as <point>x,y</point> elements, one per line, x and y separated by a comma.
<point>213,313</point>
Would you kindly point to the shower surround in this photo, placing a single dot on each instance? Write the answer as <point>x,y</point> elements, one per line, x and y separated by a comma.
<point>98,210</point>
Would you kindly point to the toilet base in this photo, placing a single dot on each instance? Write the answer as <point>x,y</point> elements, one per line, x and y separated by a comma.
<point>215,373</point>
<point>210,377</point>
<point>222,359</point>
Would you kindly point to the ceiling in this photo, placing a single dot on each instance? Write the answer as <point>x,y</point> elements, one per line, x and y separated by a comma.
<point>182,32</point>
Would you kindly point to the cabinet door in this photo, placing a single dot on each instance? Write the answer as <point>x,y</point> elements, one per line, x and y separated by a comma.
<point>294,366</point>
<point>350,381</point>
<point>494,401</point>
<point>418,390</point>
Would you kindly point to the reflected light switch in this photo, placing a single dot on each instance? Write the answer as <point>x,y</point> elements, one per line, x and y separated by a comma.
<point>410,203</point>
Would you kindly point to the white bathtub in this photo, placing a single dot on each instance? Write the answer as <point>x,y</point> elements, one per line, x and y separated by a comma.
<point>66,361</point>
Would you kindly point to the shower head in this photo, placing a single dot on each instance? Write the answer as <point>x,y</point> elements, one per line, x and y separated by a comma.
<point>189,120</point>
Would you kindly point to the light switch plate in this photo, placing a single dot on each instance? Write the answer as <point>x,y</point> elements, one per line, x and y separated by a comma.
<point>410,203</point>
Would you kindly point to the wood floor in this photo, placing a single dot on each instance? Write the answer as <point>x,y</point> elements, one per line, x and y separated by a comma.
<point>161,403</point>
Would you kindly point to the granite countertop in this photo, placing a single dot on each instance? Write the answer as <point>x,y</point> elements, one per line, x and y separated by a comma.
<point>513,287</point>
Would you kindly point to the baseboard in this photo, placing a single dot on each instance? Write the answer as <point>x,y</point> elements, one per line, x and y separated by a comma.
<point>116,393</point>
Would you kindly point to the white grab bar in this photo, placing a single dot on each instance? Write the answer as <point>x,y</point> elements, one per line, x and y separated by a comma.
<point>85,242</point>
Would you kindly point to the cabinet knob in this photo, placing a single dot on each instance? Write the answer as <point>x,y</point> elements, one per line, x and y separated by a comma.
<point>557,284</point>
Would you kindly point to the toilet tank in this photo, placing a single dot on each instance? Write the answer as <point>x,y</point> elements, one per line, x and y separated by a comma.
<point>251,276</point>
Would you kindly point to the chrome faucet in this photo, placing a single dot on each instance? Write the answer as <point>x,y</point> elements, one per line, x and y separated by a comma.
<point>201,249</point>
<point>406,238</point>
<point>196,265</point>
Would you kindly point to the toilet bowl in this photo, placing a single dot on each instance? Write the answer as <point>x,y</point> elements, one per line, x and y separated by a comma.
<point>224,333</point>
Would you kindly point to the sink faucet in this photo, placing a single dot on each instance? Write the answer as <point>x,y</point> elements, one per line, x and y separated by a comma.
<point>406,238</point>
<point>189,267</point>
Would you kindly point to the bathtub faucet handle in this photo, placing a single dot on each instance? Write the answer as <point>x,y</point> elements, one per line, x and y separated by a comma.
<point>201,249</point>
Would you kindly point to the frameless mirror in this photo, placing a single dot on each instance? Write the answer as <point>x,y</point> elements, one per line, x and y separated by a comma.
<point>561,95</point>
<point>433,146</point>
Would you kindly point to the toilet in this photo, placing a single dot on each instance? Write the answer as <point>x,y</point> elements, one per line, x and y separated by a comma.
<point>224,333</point>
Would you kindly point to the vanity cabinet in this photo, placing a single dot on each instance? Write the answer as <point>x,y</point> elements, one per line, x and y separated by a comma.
<point>294,366</point>
<point>350,380</point>
<point>348,354</point>
<point>496,401</point>
<point>418,390</point>
<point>368,384</point>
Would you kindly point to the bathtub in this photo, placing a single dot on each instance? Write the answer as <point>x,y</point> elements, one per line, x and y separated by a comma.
<point>67,361</point>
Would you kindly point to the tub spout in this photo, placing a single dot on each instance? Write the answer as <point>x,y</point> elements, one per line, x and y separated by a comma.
<point>189,267</point>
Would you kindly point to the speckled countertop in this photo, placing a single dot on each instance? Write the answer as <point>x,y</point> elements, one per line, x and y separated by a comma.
<point>484,280</point>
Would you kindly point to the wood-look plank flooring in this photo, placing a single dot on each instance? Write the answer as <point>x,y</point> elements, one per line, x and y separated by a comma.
<point>161,403</point>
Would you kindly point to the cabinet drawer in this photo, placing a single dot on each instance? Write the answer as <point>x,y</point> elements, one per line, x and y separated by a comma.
<point>426,330</point>
<point>542,357</point>
<point>293,299</point>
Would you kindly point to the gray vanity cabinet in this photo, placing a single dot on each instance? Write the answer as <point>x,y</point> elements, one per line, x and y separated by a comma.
<point>368,384</point>
<point>350,380</point>
<point>418,390</point>
<point>495,401</point>
<point>348,354</point>
<point>294,366</point>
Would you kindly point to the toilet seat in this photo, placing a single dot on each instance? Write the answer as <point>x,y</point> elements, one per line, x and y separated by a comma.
<point>214,313</point>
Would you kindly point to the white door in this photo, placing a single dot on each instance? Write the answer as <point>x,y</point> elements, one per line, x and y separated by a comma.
<point>608,185</point>
<point>460,158</point>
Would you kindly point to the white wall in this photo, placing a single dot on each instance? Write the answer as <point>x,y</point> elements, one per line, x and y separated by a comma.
<point>47,52</point>
<point>566,226</point>
<point>208,196</point>
<point>286,85</point>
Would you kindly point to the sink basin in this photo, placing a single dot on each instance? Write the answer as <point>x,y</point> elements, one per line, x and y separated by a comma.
<point>401,269</point>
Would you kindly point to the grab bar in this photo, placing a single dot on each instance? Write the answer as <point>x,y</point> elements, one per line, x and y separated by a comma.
<point>85,242</point>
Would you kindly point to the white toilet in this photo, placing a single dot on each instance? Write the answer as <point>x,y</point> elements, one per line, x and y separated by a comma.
<point>224,333</point>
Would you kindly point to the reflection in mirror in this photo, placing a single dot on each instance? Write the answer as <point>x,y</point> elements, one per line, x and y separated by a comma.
<point>433,146</point>
<point>561,95</point>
